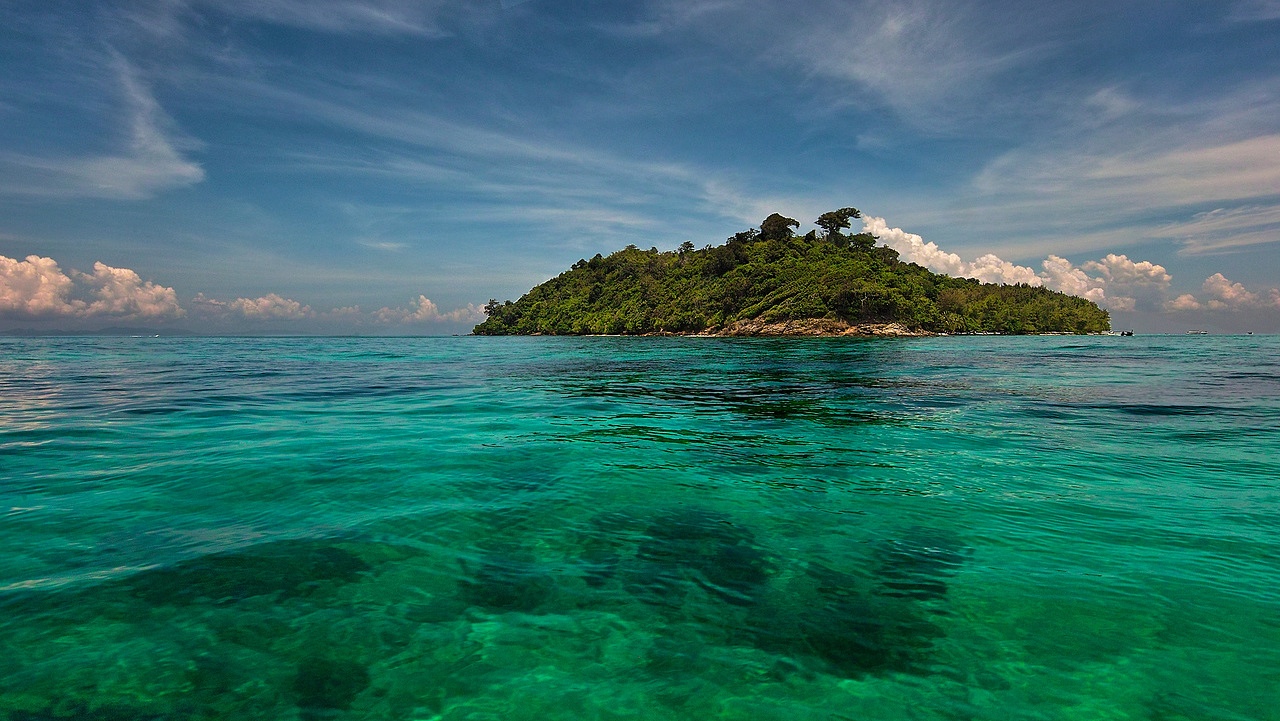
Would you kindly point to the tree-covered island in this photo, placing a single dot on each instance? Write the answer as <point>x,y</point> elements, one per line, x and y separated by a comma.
<point>770,281</point>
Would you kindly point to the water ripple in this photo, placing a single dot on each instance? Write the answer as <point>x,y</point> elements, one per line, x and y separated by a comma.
<point>654,528</point>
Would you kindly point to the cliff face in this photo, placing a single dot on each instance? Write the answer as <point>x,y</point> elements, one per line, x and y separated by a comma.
<point>788,285</point>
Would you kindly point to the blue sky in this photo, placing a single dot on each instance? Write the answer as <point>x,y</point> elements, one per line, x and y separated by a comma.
<point>384,166</point>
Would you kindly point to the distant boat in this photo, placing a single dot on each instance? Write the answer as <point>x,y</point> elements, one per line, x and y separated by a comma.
<point>1126,332</point>
<point>1197,332</point>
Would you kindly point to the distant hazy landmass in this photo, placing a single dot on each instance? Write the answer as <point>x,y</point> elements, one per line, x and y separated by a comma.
<point>769,281</point>
<point>113,330</point>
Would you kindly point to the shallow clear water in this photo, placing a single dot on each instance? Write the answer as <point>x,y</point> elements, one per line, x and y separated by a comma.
<point>614,528</point>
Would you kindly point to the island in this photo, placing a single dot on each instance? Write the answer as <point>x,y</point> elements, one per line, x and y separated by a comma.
<point>769,281</point>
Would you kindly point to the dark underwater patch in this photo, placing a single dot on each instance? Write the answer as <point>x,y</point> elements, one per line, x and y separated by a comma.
<point>284,569</point>
<point>599,564</point>
<point>604,541</point>
<point>876,621</point>
<point>528,481</point>
<point>506,583</point>
<point>702,547</point>
<point>85,713</point>
<point>324,685</point>
<point>1149,409</point>
<point>918,565</point>
<point>152,410</point>
<point>836,401</point>
<point>846,630</point>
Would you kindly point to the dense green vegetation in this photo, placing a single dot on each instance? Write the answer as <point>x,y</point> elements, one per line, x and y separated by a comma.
<point>771,274</point>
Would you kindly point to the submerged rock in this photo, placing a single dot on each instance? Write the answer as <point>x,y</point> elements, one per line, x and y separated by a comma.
<point>284,569</point>
<point>702,547</point>
<point>918,565</point>
<point>323,685</point>
<point>605,542</point>
<point>856,624</point>
<point>86,713</point>
<point>506,583</point>
<point>859,638</point>
<point>845,629</point>
<point>599,565</point>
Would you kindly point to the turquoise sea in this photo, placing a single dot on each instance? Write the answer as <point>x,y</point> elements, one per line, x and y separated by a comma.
<point>640,528</point>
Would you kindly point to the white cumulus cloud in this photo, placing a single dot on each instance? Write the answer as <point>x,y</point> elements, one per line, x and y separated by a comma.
<point>1114,281</point>
<point>424,310</point>
<point>990,268</point>
<point>269,307</point>
<point>121,291</point>
<point>348,312</point>
<point>1186,301</point>
<point>1220,293</point>
<point>914,249</point>
<point>1062,275</point>
<point>1226,295</point>
<point>203,305</point>
<point>38,288</point>
<point>1119,271</point>
<point>35,287</point>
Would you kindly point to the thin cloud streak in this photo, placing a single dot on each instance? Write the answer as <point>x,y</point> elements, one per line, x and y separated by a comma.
<point>1237,171</point>
<point>381,17</point>
<point>1102,199</point>
<point>922,59</point>
<point>1226,230</point>
<point>417,18</point>
<point>494,166</point>
<point>1251,11</point>
<point>149,163</point>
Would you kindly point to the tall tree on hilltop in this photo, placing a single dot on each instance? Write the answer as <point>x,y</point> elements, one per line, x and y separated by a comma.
<point>777,227</point>
<point>836,221</point>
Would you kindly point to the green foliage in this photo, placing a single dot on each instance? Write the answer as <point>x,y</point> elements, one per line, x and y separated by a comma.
<point>773,275</point>
<point>777,227</point>
<point>835,221</point>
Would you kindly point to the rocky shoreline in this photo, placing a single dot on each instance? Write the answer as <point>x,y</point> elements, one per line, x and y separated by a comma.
<point>809,327</point>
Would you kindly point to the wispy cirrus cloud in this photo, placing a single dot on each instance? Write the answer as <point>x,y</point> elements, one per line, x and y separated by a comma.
<point>1226,230</point>
<point>1249,11</point>
<point>383,245</point>
<point>149,160</point>
<point>576,189</point>
<point>922,59</point>
<point>1115,189</point>
<point>420,18</point>
<point>385,17</point>
<point>1149,177</point>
